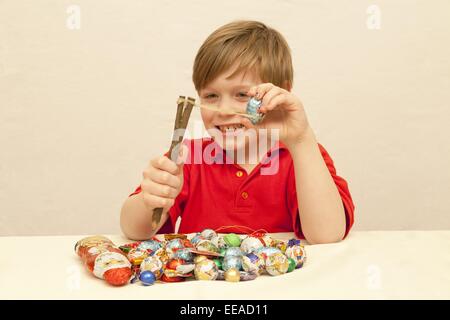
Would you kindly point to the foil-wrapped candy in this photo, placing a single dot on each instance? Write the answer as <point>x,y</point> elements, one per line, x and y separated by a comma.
<point>277,264</point>
<point>252,109</point>
<point>206,270</point>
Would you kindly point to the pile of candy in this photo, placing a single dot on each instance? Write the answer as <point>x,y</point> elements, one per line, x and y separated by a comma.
<point>206,256</point>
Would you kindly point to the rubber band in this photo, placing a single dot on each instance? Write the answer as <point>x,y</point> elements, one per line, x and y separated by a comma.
<point>247,230</point>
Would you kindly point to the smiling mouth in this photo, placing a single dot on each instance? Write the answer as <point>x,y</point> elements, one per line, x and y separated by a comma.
<point>230,128</point>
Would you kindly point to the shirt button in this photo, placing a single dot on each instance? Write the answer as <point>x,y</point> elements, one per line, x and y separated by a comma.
<point>244,195</point>
<point>239,174</point>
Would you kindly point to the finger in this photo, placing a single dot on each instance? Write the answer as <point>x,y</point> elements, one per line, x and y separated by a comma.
<point>153,201</point>
<point>165,164</point>
<point>148,172</point>
<point>252,91</point>
<point>275,91</point>
<point>166,178</point>
<point>262,89</point>
<point>160,190</point>
<point>277,101</point>
<point>258,91</point>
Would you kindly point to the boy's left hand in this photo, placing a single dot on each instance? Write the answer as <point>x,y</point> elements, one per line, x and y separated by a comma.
<point>284,111</point>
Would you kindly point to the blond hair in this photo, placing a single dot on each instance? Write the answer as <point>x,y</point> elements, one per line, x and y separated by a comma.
<point>253,45</point>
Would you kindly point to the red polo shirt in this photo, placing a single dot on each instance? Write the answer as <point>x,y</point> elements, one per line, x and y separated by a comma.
<point>217,194</point>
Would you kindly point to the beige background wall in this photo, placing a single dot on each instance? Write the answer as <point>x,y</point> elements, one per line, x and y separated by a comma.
<point>83,110</point>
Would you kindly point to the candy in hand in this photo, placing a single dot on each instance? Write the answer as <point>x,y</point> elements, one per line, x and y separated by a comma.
<point>253,106</point>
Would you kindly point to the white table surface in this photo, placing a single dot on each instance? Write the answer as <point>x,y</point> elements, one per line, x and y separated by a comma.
<point>366,265</point>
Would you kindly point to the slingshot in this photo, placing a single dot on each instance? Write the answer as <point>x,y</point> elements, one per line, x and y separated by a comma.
<point>184,109</point>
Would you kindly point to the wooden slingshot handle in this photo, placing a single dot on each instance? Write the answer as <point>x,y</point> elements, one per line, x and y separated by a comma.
<point>184,108</point>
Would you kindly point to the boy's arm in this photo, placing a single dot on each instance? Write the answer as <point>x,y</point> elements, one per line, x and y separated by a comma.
<point>320,206</point>
<point>136,218</point>
<point>165,185</point>
<point>321,210</point>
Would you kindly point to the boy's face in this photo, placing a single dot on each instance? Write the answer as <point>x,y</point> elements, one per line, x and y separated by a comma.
<point>227,130</point>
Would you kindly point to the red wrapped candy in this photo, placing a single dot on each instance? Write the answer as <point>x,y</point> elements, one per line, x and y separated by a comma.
<point>104,259</point>
<point>170,274</point>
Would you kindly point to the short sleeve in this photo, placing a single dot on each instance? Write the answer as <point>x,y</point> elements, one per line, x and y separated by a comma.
<point>341,185</point>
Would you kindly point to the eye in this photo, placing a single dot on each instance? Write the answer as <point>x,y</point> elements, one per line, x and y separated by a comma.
<point>210,96</point>
<point>242,96</point>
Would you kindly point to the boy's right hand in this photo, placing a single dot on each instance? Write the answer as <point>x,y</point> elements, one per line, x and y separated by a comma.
<point>162,182</point>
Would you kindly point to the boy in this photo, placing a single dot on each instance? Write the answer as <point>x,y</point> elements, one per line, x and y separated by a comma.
<point>240,60</point>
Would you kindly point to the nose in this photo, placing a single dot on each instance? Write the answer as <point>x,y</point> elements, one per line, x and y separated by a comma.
<point>226,104</point>
<point>230,103</point>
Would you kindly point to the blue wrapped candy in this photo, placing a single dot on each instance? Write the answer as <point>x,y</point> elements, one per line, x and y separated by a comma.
<point>185,254</point>
<point>175,244</point>
<point>147,278</point>
<point>152,245</point>
<point>253,106</point>
<point>196,239</point>
<point>232,262</point>
<point>233,251</point>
